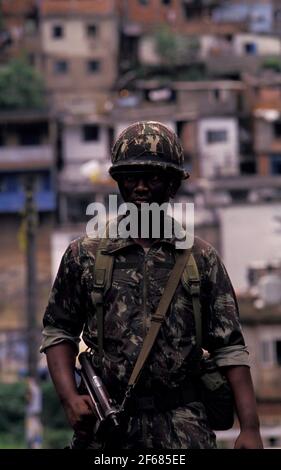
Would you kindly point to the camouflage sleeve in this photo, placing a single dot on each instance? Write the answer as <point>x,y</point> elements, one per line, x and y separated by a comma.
<point>223,332</point>
<point>52,336</point>
<point>65,313</point>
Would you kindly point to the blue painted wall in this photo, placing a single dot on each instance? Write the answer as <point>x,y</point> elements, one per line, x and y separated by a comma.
<point>12,195</point>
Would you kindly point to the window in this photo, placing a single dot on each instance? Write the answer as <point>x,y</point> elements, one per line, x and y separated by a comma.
<point>228,37</point>
<point>277,129</point>
<point>60,67</point>
<point>192,12</point>
<point>45,182</point>
<point>278,352</point>
<point>57,31</point>
<point>1,139</point>
<point>166,2</point>
<point>144,2</point>
<point>216,136</point>
<point>29,135</point>
<point>217,94</point>
<point>275,164</point>
<point>2,184</point>
<point>250,48</point>
<point>93,66</point>
<point>248,167</point>
<point>92,30</point>
<point>265,352</point>
<point>12,185</point>
<point>277,15</point>
<point>90,133</point>
<point>271,352</point>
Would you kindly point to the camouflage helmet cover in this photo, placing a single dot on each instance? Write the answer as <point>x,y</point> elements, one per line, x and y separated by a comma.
<point>147,143</point>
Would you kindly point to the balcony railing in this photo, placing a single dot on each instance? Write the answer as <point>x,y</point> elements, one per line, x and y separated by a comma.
<point>11,202</point>
<point>20,156</point>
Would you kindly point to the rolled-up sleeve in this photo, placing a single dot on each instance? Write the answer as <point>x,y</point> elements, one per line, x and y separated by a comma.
<point>232,356</point>
<point>224,333</point>
<point>65,313</point>
<point>52,336</point>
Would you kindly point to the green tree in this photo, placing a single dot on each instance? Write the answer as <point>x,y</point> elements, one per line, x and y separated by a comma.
<point>174,48</point>
<point>20,86</point>
<point>272,63</point>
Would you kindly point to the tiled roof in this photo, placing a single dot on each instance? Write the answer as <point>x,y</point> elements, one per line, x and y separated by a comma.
<point>16,7</point>
<point>99,7</point>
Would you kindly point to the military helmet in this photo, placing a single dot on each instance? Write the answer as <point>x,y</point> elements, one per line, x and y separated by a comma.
<point>147,143</point>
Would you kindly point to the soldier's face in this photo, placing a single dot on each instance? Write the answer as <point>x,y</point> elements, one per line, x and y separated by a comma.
<point>145,186</point>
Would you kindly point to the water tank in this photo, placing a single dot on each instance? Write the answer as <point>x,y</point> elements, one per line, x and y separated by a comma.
<point>269,288</point>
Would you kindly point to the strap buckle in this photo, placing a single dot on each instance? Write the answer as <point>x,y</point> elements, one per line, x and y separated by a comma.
<point>97,297</point>
<point>157,318</point>
<point>194,286</point>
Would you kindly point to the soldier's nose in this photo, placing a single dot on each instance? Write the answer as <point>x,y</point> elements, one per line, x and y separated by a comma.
<point>141,185</point>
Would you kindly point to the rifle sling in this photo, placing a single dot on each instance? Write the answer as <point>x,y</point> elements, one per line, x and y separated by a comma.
<point>158,317</point>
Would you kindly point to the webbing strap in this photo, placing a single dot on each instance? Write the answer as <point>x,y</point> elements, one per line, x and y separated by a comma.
<point>158,318</point>
<point>102,279</point>
<point>193,281</point>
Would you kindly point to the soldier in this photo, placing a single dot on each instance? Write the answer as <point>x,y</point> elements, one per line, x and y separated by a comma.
<point>148,166</point>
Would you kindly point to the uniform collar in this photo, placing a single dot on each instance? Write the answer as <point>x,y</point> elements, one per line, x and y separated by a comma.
<point>117,244</point>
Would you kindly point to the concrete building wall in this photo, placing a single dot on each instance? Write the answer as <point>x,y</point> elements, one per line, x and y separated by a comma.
<point>77,48</point>
<point>77,77</point>
<point>263,135</point>
<point>75,40</point>
<point>249,233</point>
<point>267,144</point>
<point>218,146</point>
<point>212,100</point>
<point>188,137</point>
<point>76,149</point>
<point>265,45</point>
<point>214,45</point>
<point>266,372</point>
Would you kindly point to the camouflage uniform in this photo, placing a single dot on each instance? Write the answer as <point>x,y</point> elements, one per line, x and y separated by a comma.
<point>139,279</point>
<point>138,282</point>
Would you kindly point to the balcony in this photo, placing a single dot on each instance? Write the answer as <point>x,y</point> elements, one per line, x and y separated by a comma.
<point>11,202</point>
<point>34,157</point>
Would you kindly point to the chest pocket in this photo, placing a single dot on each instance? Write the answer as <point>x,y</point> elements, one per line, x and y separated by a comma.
<point>103,271</point>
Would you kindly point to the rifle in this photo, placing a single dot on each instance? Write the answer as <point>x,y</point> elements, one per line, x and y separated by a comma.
<point>107,414</point>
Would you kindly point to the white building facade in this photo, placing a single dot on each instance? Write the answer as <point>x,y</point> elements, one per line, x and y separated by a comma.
<point>218,146</point>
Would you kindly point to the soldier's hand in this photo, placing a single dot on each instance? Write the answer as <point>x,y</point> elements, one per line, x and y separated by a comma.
<point>80,413</point>
<point>250,439</point>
